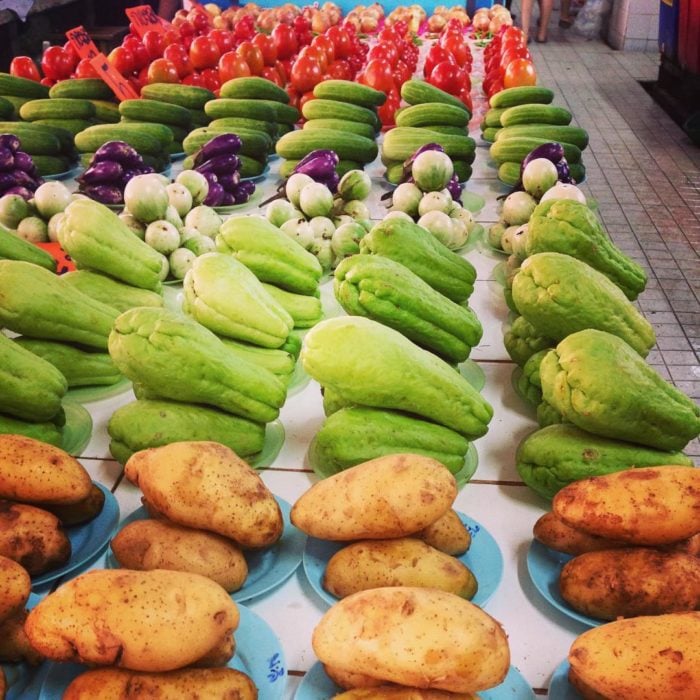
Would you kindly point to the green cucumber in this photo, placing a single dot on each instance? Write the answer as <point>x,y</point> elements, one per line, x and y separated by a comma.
<point>72,125</point>
<point>358,128</point>
<point>509,173</point>
<point>297,144</point>
<point>189,96</point>
<point>145,110</point>
<point>57,108</point>
<point>527,94</point>
<point>21,87</point>
<point>550,132</point>
<point>36,139</point>
<point>329,109</point>
<point>242,107</point>
<point>233,123</point>
<point>416,92</point>
<point>7,109</point>
<point>490,133</point>
<point>82,88</point>
<point>402,142</point>
<point>535,114</point>
<point>432,113</point>
<point>255,88</point>
<point>255,144</point>
<point>106,112</point>
<point>348,91</point>
<point>151,139</point>
<point>515,149</point>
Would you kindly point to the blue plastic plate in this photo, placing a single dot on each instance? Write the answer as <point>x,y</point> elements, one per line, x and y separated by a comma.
<point>544,566</point>
<point>87,540</point>
<point>65,175</point>
<point>267,568</point>
<point>559,686</point>
<point>316,685</point>
<point>483,558</point>
<point>258,653</point>
<point>472,201</point>
<point>77,431</point>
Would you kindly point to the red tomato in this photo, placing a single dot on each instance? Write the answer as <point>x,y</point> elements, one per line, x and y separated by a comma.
<point>171,36</point>
<point>184,25</point>
<point>232,65</point>
<point>162,71</point>
<point>339,70</point>
<point>223,39</point>
<point>378,74</point>
<point>244,29</point>
<point>200,20</point>
<point>306,97</point>
<point>267,48</point>
<point>389,34</point>
<point>455,44</point>
<point>512,54</point>
<point>204,53</point>
<point>401,73</point>
<point>306,73</point>
<point>318,54</point>
<point>341,40</point>
<point>512,34</point>
<point>519,72</point>
<point>84,69</point>
<point>378,53</point>
<point>391,51</point>
<point>436,54</point>
<point>465,97</point>
<point>138,51</point>
<point>193,79</point>
<point>495,87</point>
<point>448,77</point>
<point>72,53</point>
<point>387,111</point>
<point>122,60</point>
<point>153,41</point>
<point>252,55</point>
<point>285,41</point>
<point>283,69</point>
<point>326,44</point>
<point>293,96</point>
<point>454,25</point>
<point>178,55</point>
<point>56,63</point>
<point>24,67</point>
<point>210,78</point>
<point>48,82</point>
<point>272,74</point>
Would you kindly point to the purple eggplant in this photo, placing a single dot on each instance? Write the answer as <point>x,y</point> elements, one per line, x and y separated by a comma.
<point>107,172</point>
<point>220,165</point>
<point>7,160</point>
<point>119,151</point>
<point>455,189</point>
<point>229,181</point>
<point>6,182</point>
<point>331,181</point>
<point>106,194</point>
<point>127,175</point>
<point>21,191</point>
<point>23,179</point>
<point>551,151</point>
<point>319,168</point>
<point>227,200</point>
<point>242,192</point>
<point>215,195</point>
<point>222,145</point>
<point>10,141</point>
<point>563,171</point>
<point>23,161</point>
<point>322,154</point>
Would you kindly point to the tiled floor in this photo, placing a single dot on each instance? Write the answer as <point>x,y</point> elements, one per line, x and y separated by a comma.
<point>644,173</point>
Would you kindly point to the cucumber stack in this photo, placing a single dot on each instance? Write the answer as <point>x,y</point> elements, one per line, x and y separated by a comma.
<point>342,117</point>
<point>95,91</point>
<point>522,118</point>
<point>436,112</point>
<point>173,117</point>
<point>14,92</point>
<point>191,97</point>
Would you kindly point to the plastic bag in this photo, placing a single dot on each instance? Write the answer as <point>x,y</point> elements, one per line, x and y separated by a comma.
<point>591,19</point>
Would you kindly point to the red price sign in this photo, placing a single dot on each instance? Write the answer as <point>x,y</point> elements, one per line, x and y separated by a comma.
<point>144,19</point>
<point>82,43</point>
<point>119,84</point>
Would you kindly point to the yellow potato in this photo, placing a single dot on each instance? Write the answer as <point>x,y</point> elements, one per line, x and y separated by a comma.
<point>205,485</point>
<point>32,537</point>
<point>140,620</point>
<point>403,561</point>
<point>160,544</point>
<point>629,582</point>
<point>350,679</point>
<point>390,496</point>
<point>15,587</point>
<point>646,506</point>
<point>81,512</point>
<point>32,471</point>
<point>219,655</point>
<point>419,637</point>
<point>394,692</point>
<point>14,644</point>
<point>448,534</point>
<point>644,658</point>
<point>187,684</point>
<point>554,533</point>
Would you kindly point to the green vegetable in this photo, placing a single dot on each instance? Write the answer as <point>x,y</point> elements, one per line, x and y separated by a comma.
<point>600,384</point>
<point>522,341</point>
<point>118,295</point>
<point>549,459</point>
<point>376,366</point>
<point>45,432</point>
<point>177,358</point>
<point>14,248</point>
<point>305,310</point>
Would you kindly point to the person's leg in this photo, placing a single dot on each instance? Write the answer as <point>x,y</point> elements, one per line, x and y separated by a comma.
<point>525,16</point>
<point>545,13</point>
<point>565,18</point>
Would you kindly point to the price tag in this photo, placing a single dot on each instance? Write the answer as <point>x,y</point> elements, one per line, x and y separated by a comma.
<point>144,19</point>
<point>119,84</point>
<point>82,43</point>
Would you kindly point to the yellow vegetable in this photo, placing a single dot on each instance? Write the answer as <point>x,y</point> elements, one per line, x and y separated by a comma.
<point>392,692</point>
<point>390,496</point>
<point>419,637</point>
<point>205,485</point>
<point>15,587</point>
<point>644,658</point>
<point>646,506</point>
<point>448,534</point>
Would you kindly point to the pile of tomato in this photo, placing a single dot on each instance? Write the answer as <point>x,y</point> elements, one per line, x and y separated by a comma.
<point>508,62</point>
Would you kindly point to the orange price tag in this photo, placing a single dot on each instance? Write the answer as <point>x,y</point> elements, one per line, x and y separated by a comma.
<point>82,43</point>
<point>63,260</point>
<point>119,84</point>
<point>144,19</point>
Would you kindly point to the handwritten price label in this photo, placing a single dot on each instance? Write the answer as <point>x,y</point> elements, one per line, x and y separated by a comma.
<point>119,84</point>
<point>82,42</point>
<point>144,19</point>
